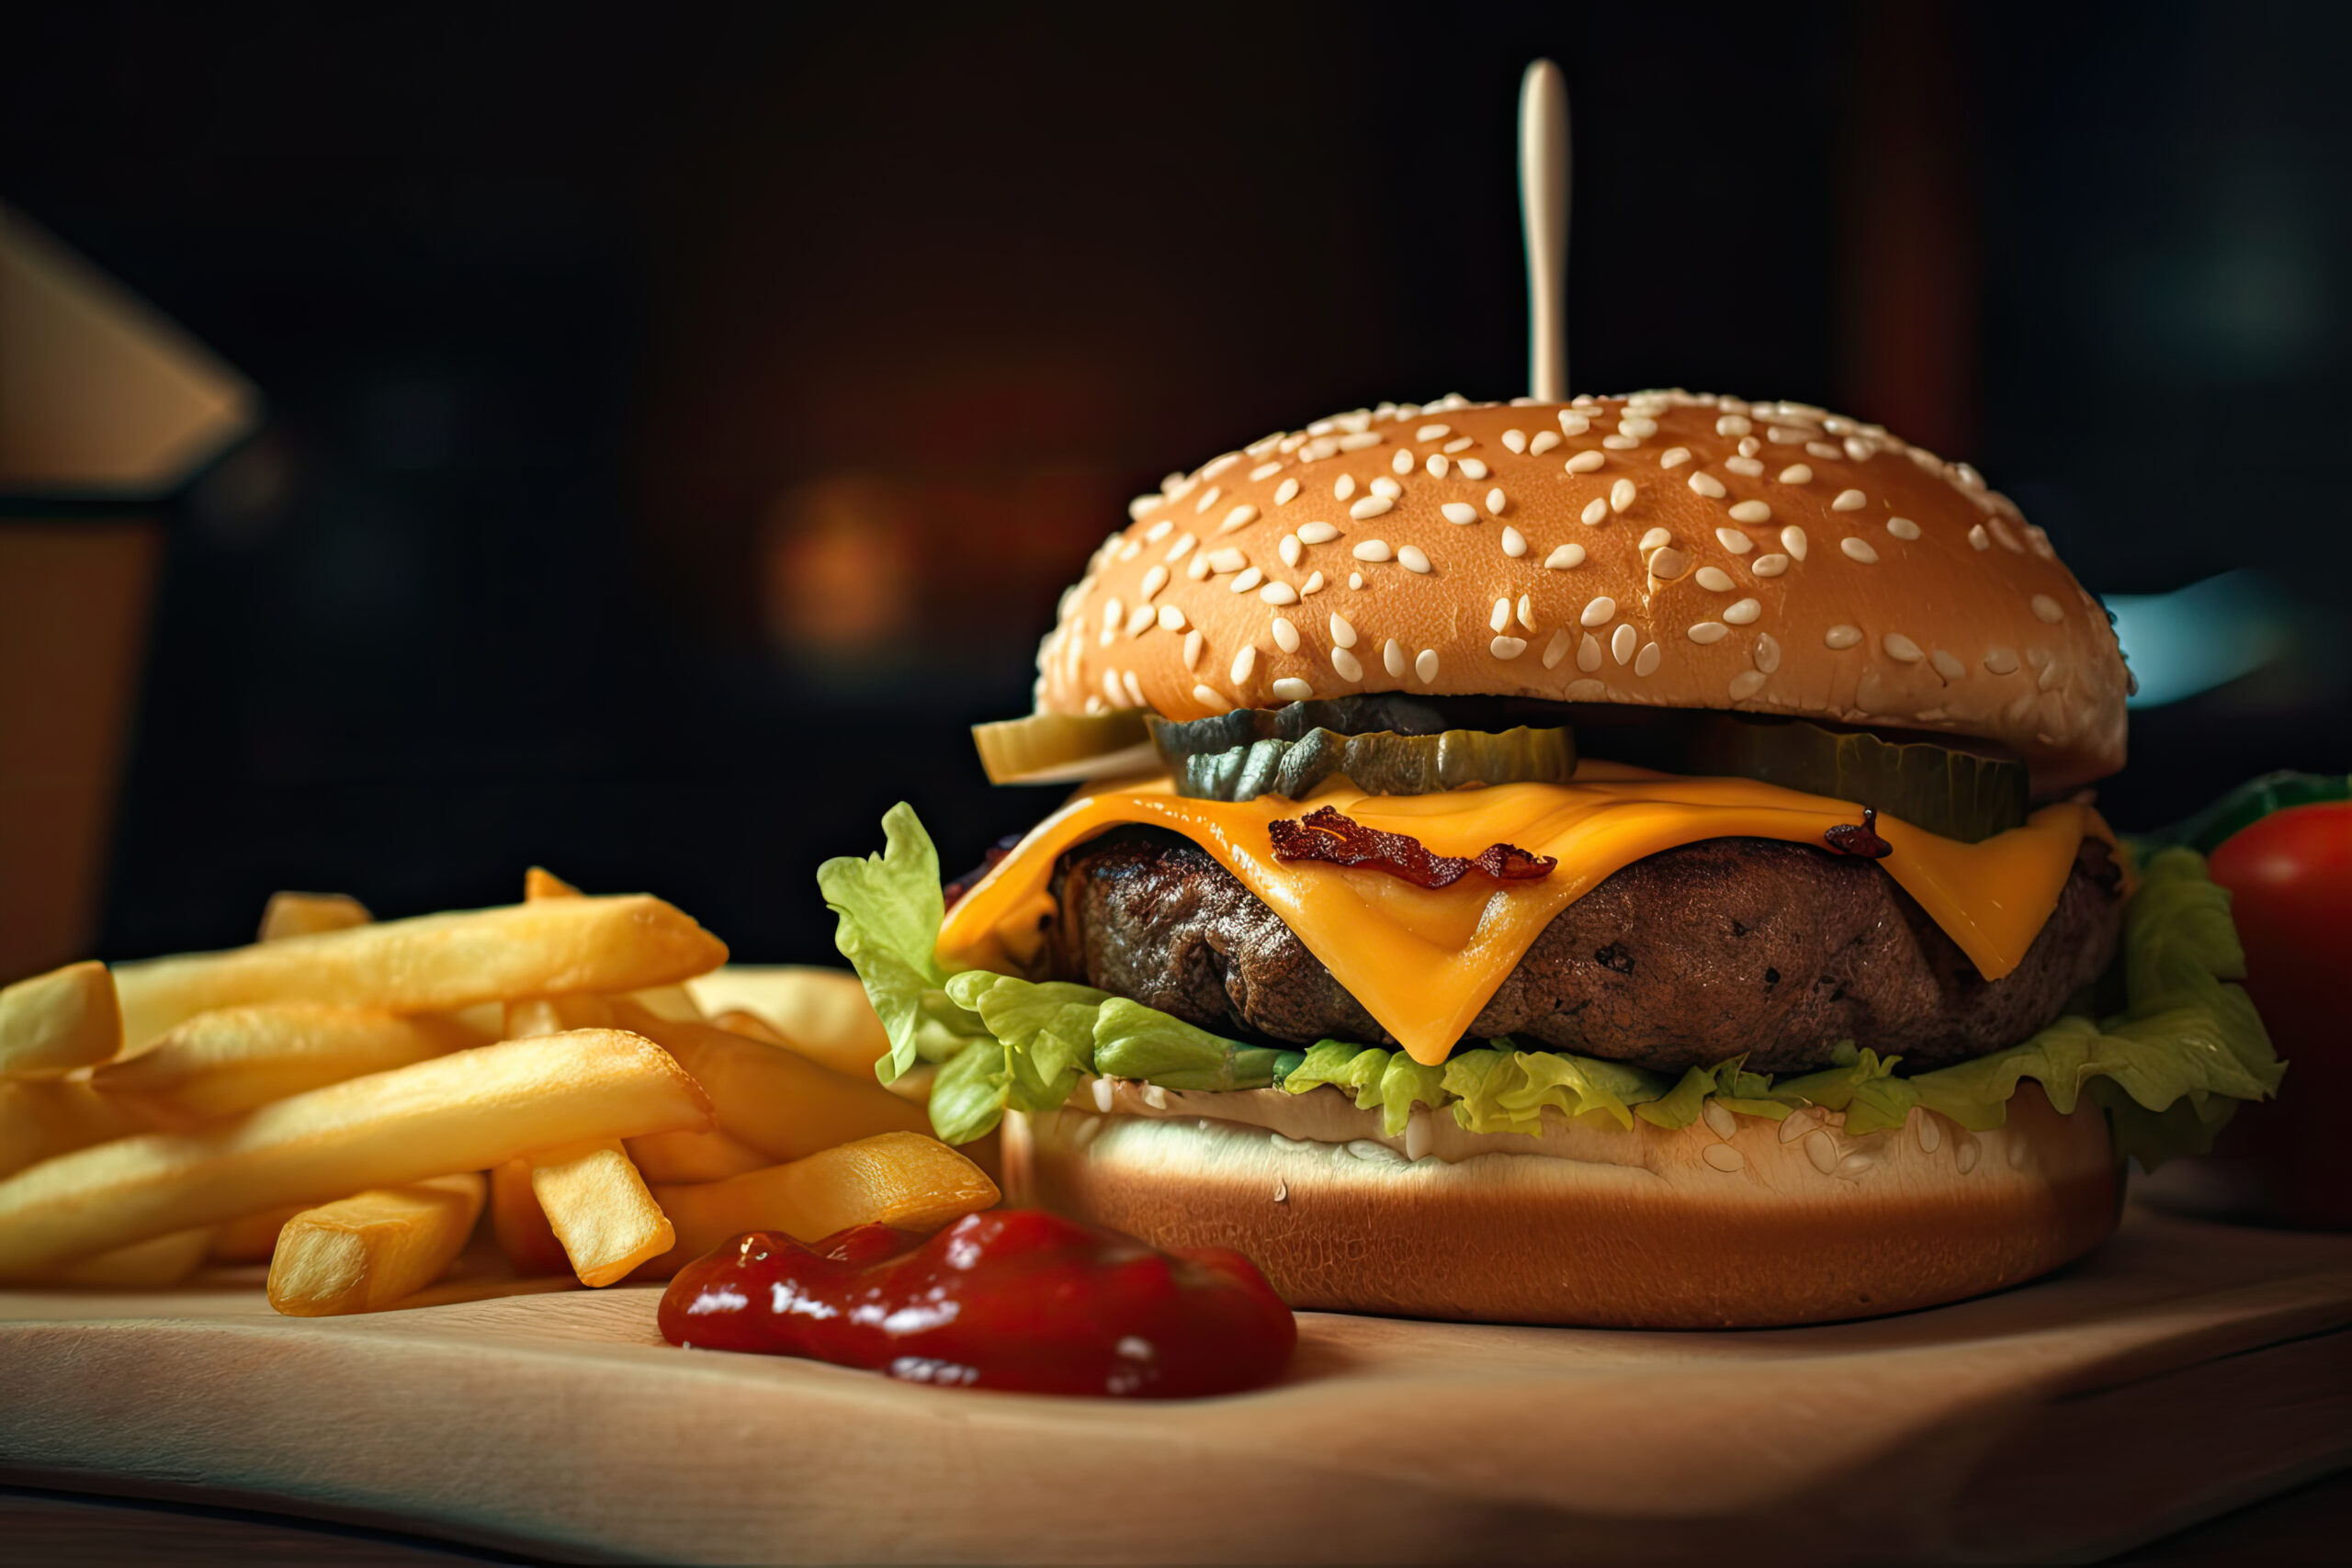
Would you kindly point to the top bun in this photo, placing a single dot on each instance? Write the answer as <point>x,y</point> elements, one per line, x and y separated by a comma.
<point>1664,548</point>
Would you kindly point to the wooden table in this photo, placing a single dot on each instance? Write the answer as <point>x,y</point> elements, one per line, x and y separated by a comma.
<point>2186,1370</point>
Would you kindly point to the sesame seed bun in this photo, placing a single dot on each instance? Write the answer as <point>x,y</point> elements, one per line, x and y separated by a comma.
<point>1747,1224</point>
<point>1665,549</point>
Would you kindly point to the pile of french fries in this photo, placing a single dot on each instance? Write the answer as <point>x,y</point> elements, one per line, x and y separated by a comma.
<point>345,1099</point>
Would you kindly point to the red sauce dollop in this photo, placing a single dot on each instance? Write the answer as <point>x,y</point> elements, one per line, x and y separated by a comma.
<point>1013,1299</point>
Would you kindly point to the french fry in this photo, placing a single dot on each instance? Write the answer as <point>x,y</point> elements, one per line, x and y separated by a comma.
<point>41,1119</point>
<point>598,1207</point>
<point>466,1111</point>
<point>541,882</point>
<point>897,1178</point>
<point>365,1253</point>
<point>307,914</point>
<point>521,1227</point>
<point>254,1237</point>
<point>750,1026</point>
<point>55,1023</point>
<point>694,1157</point>
<point>666,1001</point>
<point>431,963</point>
<point>823,1013</point>
<point>152,1265</point>
<point>218,1063</point>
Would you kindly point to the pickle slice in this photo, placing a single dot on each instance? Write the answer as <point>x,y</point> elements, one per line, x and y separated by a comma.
<point>1380,764</point>
<point>1180,738</point>
<point>1053,748</point>
<point>1958,794</point>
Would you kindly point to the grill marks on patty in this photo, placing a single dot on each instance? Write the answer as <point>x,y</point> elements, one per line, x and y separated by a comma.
<point>1681,958</point>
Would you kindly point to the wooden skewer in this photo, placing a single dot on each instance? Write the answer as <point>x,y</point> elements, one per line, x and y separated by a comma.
<point>1544,214</point>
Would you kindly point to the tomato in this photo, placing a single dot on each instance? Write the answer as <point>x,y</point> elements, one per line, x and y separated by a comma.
<point>2290,876</point>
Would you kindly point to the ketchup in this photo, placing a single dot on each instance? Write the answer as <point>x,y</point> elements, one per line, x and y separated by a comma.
<point>1013,1299</point>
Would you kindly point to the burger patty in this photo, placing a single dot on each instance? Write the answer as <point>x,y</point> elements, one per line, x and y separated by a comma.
<point>1685,958</point>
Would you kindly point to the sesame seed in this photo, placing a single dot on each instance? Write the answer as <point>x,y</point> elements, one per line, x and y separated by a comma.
<point>1425,666</point>
<point>1460,444</point>
<point>1218,464</point>
<point>1176,551</point>
<point>1313,584</point>
<point>1733,424</point>
<point>1850,500</point>
<point>1734,541</point>
<point>1745,684</point>
<point>1289,549</point>
<point>1500,619</point>
<point>1432,432</point>
<point>1744,465</point>
<point>1285,635</point>
<point>1767,652</point>
<point>1651,657</point>
<point>1355,580</point>
<point>1472,469</point>
<point>1706,484</point>
<point>1558,649</point>
<point>1792,540</point>
<point>1669,564</point>
<point>1411,558</point>
<point>1139,617</point>
<point>1620,442</point>
<point>1344,487</point>
<point>1248,580</point>
<point>1656,538</point>
<point>1600,611</point>
<point>1894,645</point>
<point>1674,458</point>
<point>1507,647</point>
<point>1596,512</point>
<point>1402,463</point>
<point>2007,540</point>
<point>1966,477</point>
<point>1751,512</point>
<point>1133,686</point>
<point>1543,442</point>
<point>1369,507</point>
<point>1143,503</point>
<point>1244,662</point>
<point>1514,542</point>
<point>1286,492</point>
<point>1211,698</point>
<point>1373,550</point>
<point>1393,658</point>
<point>1621,643</point>
<point>1827,451</point>
<point>1317,533</point>
<point>1438,465</point>
<point>1780,435</point>
<point>1458,511</point>
<point>1154,581</point>
<point>1947,666</point>
<point>1343,631</point>
<point>1264,471</point>
<point>1193,643</point>
<point>1290,689</point>
<point>1858,549</point>
<point>1515,439</point>
<point>1796,474</point>
<point>1239,517</point>
<point>1769,566</point>
<point>1568,558</point>
<point>1573,423</point>
<point>1527,611</point>
<point>1860,450</point>
<point>1158,531</point>
<point>1841,636</point>
<point>1387,487</point>
<point>1620,495</point>
<point>1903,527</point>
<point>1360,440</point>
<point>1715,580</point>
<point>1349,667</point>
<point>2000,661</point>
<point>1637,426</point>
<point>1979,537</point>
<point>1198,566</point>
<point>1589,653</point>
<point>1228,560</point>
<point>1279,593</point>
<point>1171,618</point>
<point>1708,631</point>
<point>1208,498</point>
<point>1743,613</point>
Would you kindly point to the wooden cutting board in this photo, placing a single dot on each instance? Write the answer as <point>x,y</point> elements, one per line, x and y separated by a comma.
<point>2185,1370</point>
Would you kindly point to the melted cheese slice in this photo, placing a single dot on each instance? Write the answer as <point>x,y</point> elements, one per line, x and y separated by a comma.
<point>1424,961</point>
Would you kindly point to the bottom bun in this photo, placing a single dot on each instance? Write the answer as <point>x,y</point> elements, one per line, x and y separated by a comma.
<point>1777,1223</point>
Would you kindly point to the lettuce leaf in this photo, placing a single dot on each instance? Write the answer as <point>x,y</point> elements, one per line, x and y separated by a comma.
<point>2166,1070</point>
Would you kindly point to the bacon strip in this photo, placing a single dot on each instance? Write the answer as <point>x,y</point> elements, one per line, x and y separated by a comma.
<point>1325,835</point>
<point>1848,839</point>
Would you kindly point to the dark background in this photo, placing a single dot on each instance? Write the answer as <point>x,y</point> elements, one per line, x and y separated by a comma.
<point>682,419</point>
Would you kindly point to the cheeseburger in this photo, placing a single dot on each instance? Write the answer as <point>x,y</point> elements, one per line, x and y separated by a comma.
<point>1622,862</point>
